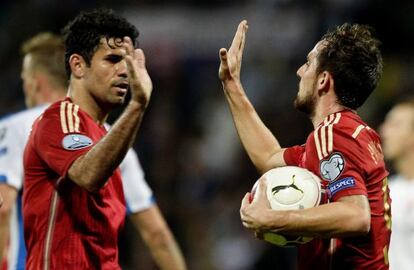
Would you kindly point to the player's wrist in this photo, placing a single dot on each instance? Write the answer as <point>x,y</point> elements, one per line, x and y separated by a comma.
<point>231,84</point>
<point>138,104</point>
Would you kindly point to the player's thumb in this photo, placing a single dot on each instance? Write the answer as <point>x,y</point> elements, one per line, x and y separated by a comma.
<point>223,54</point>
<point>245,200</point>
<point>262,185</point>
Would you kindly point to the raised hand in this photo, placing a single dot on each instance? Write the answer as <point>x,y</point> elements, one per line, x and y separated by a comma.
<point>230,61</point>
<point>139,80</point>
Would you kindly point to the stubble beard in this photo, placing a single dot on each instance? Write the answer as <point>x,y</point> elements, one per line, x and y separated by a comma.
<point>305,104</point>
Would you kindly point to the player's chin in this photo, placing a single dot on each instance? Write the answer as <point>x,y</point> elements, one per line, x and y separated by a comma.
<point>118,98</point>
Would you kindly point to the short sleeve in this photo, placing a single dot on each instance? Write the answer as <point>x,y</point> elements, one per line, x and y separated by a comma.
<point>138,194</point>
<point>11,151</point>
<point>57,148</point>
<point>293,155</point>
<point>343,167</point>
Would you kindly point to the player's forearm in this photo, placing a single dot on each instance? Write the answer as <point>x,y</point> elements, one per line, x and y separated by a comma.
<point>159,238</point>
<point>93,169</point>
<point>256,138</point>
<point>4,233</point>
<point>166,252</point>
<point>336,219</point>
<point>9,199</point>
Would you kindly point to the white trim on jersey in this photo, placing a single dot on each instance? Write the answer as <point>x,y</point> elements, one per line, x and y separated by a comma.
<point>357,131</point>
<point>324,142</point>
<point>69,119</point>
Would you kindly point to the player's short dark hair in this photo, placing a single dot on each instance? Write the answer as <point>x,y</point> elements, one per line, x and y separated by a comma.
<point>48,55</point>
<point>351,54</point>
<point>83,34</point>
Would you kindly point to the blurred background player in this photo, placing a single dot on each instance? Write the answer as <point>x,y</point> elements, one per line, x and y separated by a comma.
<point>353,230</point>
<point>45,81</point>
<point>397,133</point>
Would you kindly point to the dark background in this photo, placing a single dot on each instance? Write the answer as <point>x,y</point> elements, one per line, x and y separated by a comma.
<point>187,144</point>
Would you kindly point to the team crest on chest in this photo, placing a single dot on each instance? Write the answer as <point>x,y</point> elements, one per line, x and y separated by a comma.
<point>333,167</point>
<point>76,141</point>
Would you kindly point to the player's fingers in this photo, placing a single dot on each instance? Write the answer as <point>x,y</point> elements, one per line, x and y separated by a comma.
<point>245,224</point>
<point>224,66</point>
<point>130,67</point>
<point>245,201</point>
<point>258,235</point>
<point>223,55</point>
<point>140,58</point>
<point>243,42</point>
<point>235,45</point>
<point>261,189</point>
<point>244,204</point>
<point>128,46</point>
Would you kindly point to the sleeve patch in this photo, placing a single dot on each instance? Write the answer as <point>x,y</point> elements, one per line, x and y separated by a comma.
<point>332,168</point>
<point>76,142</point>
<point>341,184</point>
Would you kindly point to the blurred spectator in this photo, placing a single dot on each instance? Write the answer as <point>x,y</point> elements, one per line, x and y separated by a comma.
<point>398,144</point>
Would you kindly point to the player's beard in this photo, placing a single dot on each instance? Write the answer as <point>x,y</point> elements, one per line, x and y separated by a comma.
<point>306,104</point>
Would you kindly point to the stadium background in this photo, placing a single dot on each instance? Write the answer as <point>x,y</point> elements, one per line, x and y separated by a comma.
<point>187,144</point>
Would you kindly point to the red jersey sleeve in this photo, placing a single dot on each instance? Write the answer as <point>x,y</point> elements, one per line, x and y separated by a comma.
<point>354,163</point>
<point>293,156</point>
<point>60,137</point>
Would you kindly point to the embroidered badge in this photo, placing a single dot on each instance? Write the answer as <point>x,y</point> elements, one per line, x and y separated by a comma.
<point>341,184</point>
<point>76,141</point>
<point>331,169</point>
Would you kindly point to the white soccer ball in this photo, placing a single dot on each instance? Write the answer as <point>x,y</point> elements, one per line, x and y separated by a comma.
<point>290,188</point>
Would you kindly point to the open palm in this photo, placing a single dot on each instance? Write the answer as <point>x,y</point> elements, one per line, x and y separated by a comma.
<point>139,79</point>
<point>230,61</point>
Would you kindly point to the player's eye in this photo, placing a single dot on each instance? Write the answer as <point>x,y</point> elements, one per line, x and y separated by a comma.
<point>113,58</point>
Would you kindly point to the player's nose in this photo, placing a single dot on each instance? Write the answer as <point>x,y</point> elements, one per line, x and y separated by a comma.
<point>121,69</point>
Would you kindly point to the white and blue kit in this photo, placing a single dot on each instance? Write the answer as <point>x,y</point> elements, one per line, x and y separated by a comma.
<point>402,237</point>
<point>14,132</point>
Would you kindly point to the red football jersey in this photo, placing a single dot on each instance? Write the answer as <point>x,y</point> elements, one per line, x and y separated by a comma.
<point>346,154</point>
<point>65,226</point>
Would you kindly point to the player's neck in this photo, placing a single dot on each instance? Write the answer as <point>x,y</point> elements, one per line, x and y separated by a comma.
<point>88,104</point>
<point>323,108</point>
<point>404,166</point>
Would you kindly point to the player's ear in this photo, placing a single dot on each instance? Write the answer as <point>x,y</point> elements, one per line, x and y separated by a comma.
<point>77,65</point>
<point>324,82</point>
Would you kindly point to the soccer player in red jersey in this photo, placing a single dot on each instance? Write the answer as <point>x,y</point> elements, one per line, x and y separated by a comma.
<point>352,225</point>
<point>73,200</point>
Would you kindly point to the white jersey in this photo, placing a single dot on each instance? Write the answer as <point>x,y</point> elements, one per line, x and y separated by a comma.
<point>401,252</point>
<point>14,132</point>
